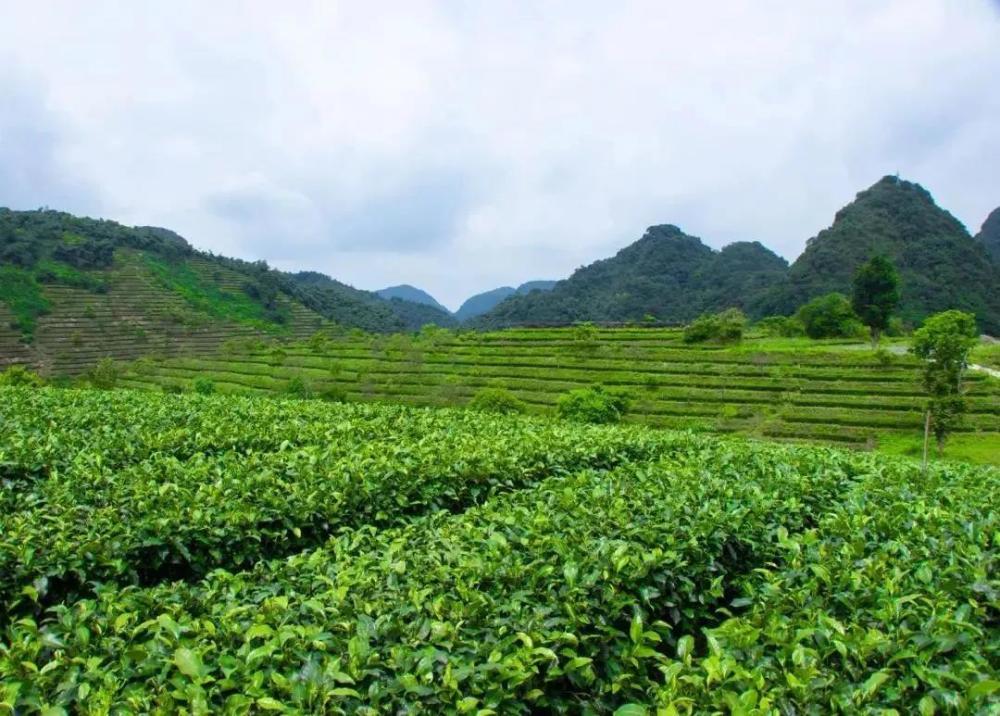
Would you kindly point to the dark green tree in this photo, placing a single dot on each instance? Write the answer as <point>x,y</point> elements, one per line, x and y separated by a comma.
<point>829,316</point>
<point>876,295</point>
<point>944,343</point>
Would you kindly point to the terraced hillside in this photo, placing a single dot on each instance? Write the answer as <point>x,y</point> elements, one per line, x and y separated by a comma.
<point>144,308</point>
<point>818,391</point>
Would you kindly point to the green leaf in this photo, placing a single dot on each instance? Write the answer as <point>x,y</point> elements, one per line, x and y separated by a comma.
<point>631,710</point>
<point>188,662</point>
<point>983,688</point>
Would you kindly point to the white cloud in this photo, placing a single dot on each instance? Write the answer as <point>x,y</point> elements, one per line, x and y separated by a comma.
<point>460,146</point>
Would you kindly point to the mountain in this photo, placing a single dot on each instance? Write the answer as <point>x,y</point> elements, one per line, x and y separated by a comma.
<point>940,265</point>
<point>483,302</point>
<point>989,234</point>
<point>74,290</point>
<point>666,274</point>
<point>407,292</point>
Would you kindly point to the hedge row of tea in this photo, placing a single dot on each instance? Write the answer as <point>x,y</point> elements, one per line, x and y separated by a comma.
<point>458,563</point>
<point>847,396</point>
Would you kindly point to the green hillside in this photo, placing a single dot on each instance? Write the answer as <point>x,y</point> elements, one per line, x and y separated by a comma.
<point>940,265</point>
<point>989,234</point>
<point>73,290</point>
<point>799,389</point>
<point>666,274</point>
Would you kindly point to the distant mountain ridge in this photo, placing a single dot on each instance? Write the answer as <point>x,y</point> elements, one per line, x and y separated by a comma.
<point>483,302</point>
<point>666,274</point>
<point>673,277</point>
<point>406,292</point>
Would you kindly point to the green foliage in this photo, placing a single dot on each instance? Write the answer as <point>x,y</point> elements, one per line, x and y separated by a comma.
<point>19,375</point>
<point>944,342</point>
<point>333,394</point>
<point>204,386</point>
<point>666,273</point>
<point>724,327</point>
<point>829,316</point>
<point>783,326</point>
<point>876,294</point>
<point>297,387</point>
<point>592,405</point>
<point>585,333</point>
<point>105,374</point>
<point>53,272</point>
<point>455,562</point>
<point>497,400</point>
<point>23,296</point>
<point>940,266</point>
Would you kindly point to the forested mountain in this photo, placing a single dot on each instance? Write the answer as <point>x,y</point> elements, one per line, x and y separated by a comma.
<point>73,290</point>
<point>483,302</point>
<point>989,235</point>
<point>406,292</point>
<point>666,274</point>
<point>940,265</point>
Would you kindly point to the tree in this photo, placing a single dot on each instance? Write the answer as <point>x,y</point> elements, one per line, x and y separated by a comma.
<point>829,316</point>
<point>724,327</point>
<point>876,295</point>
<point>944,342</point>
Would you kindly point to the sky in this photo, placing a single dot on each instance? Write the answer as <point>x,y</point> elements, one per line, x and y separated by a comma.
<point>460,146</point>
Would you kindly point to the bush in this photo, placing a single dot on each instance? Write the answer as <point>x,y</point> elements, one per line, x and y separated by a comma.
<point>298,388</point>
<point>497,400</point>
<point>104,375</point>
<point>333,394</point>
<point>204,386</point>
<point>19,375</point>
<point>171,388</point>
<point>592,405</point>
<point>784,326</point>
<point>830,316</point>
<point>725,327</point>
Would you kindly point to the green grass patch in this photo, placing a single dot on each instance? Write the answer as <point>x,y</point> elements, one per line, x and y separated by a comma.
<point>204,296</point>
<point>22,294</point>
<point>978,448</point>
<point>48,271</point>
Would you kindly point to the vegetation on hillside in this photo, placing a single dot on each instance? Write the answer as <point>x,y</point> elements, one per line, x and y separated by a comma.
<point>666,274</point>
<point>989,235</point>
<point>940,266</point>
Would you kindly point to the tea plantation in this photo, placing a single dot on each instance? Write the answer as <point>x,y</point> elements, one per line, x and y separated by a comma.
<point>789,389</point>
<point>190,553</point>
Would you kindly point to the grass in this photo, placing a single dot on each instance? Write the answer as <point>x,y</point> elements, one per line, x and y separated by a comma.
<point>22,294</point>
<point>979,449</point>
<point>208,298</point>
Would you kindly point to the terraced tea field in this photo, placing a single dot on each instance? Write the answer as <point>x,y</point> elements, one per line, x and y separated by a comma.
<point>229,554</point>
<point>799,390</point>
<point>136,316</point>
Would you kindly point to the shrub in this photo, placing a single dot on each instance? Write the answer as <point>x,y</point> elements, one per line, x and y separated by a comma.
<point>298,388</point>
<point>333,394</point>
<point>497,400</point>
<point>204,386</point>
<point>171,388</point>
<point>585,333</point>
<point>725,327</point>
<point>19,375</point>
<point>592,405</point>
<point>784,326</point>
<point>830,316</point>
<point>104,375</point>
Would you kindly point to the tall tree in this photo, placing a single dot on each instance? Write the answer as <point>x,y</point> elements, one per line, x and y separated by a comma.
<point>876,294</point>
<point>944,342</point>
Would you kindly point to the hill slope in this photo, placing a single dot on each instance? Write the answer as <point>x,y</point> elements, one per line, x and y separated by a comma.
<point>667,274</point>
<point>486,301</point>
<point>940,265</point>
<point>406,292</point>
<point>989,234</point>
<point>73,290</point>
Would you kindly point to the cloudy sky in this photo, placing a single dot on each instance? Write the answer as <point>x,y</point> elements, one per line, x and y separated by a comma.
<point>460,146</point>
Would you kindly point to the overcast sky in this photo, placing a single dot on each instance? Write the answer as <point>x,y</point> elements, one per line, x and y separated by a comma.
<point>460,146</point>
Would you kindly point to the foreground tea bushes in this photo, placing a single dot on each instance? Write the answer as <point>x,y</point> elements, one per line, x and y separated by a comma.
<point>891,602</point>
<point>168,518</point>
<point>563,597</point>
